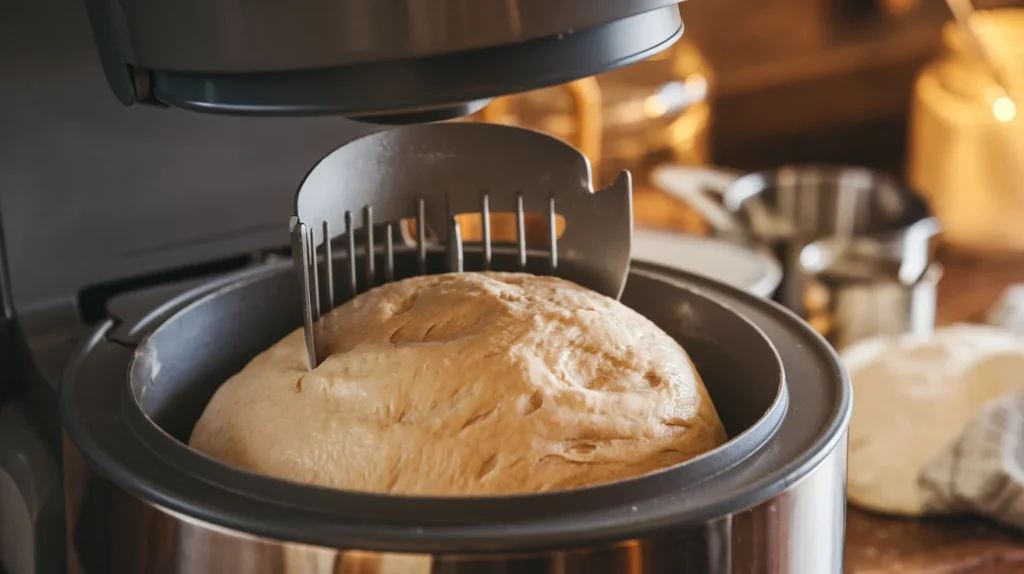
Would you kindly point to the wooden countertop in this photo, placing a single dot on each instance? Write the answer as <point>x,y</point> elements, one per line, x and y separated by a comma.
<point>884,545</point>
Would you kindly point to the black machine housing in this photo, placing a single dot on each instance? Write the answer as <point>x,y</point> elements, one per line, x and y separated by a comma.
<point>387,61</point>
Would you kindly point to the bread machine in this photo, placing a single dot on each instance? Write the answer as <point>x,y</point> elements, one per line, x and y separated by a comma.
<point>144,259</point>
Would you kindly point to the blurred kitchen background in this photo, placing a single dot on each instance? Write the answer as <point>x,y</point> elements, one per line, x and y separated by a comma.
<point>814,80</point>
<point>861,162</point>
<point>884,84</point>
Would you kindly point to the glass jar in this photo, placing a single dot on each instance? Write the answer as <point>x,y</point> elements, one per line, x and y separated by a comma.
<point>634,118</point>
<point>966,141</point>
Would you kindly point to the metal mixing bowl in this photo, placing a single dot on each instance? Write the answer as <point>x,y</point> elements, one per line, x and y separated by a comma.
<point>771,500</point>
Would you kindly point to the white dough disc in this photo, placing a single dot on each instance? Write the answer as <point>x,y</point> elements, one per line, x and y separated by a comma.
<point>914,396</point>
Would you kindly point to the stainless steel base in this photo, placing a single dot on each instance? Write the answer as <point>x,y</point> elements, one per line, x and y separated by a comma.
<point>799,531</point>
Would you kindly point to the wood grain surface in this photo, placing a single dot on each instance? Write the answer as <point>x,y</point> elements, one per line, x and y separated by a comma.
<point>886,545</point>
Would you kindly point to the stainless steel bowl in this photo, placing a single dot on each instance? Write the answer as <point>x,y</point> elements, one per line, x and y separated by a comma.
<point>139,500</point>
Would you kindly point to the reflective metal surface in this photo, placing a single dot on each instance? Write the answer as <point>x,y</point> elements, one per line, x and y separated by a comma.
<point>799,531</point>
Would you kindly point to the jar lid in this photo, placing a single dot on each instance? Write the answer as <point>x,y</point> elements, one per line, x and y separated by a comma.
<point>999,29</point>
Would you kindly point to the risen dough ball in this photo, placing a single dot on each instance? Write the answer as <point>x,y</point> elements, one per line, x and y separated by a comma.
<point>467,384</point>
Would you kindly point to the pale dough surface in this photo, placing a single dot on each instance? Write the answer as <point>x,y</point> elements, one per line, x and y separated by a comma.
<point>467,384</point>
<point>912,397</point>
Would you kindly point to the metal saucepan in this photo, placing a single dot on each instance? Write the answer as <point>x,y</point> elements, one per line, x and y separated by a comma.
<point>789,208</point>
<point>864,286</point>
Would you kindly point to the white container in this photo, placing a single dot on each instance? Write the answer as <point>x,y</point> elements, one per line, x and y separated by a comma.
<point>966,139</point>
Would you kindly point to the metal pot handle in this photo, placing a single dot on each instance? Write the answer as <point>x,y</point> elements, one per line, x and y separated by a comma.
<point>924,301</point>
<point>702,189</point>
<point>916,253</point>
